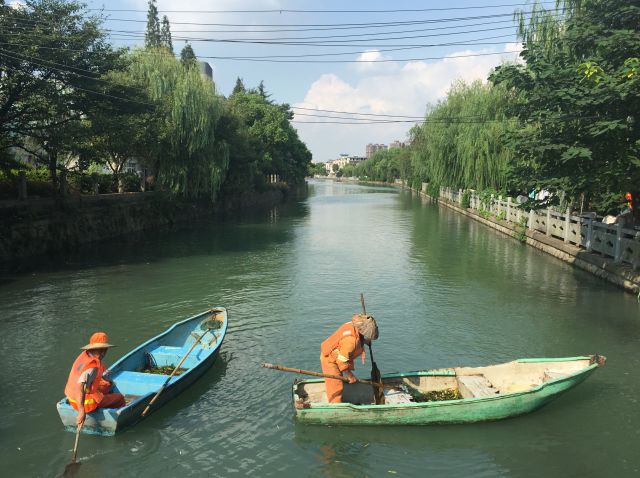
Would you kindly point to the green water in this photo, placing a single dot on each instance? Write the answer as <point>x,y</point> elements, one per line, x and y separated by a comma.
<point>445,290</point>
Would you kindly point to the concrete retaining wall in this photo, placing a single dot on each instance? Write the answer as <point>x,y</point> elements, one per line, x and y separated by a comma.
<point>622,275</point>
<point>44,226</point>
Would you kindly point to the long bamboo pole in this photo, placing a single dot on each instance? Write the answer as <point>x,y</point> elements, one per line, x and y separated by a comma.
<point>318,374</point>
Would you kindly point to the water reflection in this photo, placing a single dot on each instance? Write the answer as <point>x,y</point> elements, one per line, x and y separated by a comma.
<point>241,231</point>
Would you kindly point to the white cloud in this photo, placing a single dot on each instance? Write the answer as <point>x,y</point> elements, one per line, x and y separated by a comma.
<point>405,90</point>
<point>372,61</point>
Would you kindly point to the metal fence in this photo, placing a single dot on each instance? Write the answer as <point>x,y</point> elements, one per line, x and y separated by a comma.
<point>586,232</point>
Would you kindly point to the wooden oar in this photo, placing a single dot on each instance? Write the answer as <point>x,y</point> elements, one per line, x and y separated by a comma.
<point>378,392</point>
<point>72,467</point>
<point>325,375</point>
<point>164,385</point>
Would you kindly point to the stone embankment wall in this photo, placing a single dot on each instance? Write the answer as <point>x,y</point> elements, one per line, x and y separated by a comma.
<point>42,226</point>
<point>610,255</point>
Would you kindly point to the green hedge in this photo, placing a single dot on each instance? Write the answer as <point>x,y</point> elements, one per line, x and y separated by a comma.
<point>39,184</point>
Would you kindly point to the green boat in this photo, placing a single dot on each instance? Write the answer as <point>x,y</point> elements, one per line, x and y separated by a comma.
<point>450,395</point>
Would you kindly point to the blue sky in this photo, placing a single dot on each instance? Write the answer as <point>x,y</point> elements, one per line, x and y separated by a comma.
<point>403,88</point>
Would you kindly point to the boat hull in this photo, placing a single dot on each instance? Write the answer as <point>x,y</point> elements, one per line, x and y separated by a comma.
<point>467,410</point>
<point>109,421</point>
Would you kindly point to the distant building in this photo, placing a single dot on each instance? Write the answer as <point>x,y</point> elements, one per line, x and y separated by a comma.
<point>328,166</point>
<point>342,161</point>
<point>374,148</point>
<point>397,144</point>
<point>205,69</point>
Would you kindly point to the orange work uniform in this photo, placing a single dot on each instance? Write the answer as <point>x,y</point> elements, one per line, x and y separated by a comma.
<point>98,394</point>
<point>336,356</point>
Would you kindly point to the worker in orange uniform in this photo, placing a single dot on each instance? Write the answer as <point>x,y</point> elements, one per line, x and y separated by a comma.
<point>341,348</point>
<point>87,383</point>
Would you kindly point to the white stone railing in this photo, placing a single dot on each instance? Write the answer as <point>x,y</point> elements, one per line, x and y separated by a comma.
<point>586,232</point>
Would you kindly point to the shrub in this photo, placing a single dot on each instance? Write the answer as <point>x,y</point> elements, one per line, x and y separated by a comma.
<point>131,182</point>
<point>433,189</point>
<point>465,201</point>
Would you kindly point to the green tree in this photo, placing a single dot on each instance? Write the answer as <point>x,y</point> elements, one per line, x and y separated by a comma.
<point>120,132</point>
<point>152,37</point>
<point>53,57</point>
<point>165,34</point>
<point>262,91</point>
<point>317,169</point>
<point>461,143</point>
<point>188,57</point>
<point>187,159</point>
<point>579,98</point>
<point>239,87</point>
<point>275,143</point>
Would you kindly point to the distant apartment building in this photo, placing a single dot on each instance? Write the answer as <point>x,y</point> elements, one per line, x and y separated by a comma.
<point>206,70</point>
<point>328,166</point>
<point>397,144</point>
<point>373,149</point>
<point>342,161</point>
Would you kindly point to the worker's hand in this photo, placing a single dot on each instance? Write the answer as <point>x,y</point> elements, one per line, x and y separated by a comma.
<point>352,378</point>
<point>81,417</point>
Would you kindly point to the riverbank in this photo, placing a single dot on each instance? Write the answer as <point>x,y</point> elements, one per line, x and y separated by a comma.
<point>622,275</point>
<point>45,226</point>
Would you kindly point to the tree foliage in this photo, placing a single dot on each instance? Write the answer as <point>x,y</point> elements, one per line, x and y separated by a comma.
<point>152,37</point>
<point>275,147</point>
<point>165,34</point>
<point>386,165</point>
<point>187,56</point>
<point>69,98</point>
<point>188,161</point>
<point>53,55</point>
<point>579,97</point>
<point>461,143</point>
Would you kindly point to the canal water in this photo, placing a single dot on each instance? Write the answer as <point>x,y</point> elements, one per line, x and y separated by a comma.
<point>445,290</point>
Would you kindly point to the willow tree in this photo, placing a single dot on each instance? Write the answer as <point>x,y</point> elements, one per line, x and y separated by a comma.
<point>461,142</point>
<point>187,160</point>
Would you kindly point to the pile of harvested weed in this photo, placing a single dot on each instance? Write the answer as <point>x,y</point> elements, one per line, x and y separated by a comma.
<point>214,324</point>
<point>435,395</point>
<point>164,370</point>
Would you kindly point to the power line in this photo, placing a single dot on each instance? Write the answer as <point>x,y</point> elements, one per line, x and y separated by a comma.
<point>296,42</point>
<point>450,27</point>
<point>66,69</point>
<point>280,11</point>
<point>337,25</point>
<point>469,42</point>
<point>390,60</point>
<point>301,40</point>
<point>74,86</point>
<point>319,27</point>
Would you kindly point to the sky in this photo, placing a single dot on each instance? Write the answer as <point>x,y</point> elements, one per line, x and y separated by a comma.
<point>372,62</point>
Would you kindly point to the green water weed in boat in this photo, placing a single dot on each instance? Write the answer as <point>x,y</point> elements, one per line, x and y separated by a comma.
<point>164,370</point>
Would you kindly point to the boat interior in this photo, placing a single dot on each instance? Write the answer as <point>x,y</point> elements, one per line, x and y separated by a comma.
<point>131,377</point>
<point>465,382</point>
